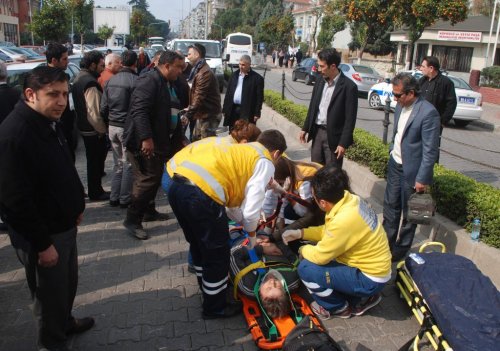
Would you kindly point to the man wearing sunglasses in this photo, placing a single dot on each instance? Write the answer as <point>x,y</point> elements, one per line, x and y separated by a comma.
<point>413,152</point>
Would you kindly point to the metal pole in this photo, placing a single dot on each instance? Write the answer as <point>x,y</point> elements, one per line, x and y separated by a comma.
<point>496,40</point>
<point>31,22</point>
<point>206,19</point>
<point>491,32</point>
<point>283,86</point>
<point>386,121</point>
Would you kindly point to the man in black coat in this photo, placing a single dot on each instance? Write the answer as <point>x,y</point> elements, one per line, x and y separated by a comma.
<point>332,112</point>
<point>438,89</point>
<point>149,130</point>
<point>42,200</point>
<point>57,56</point>
<point>245,94</point>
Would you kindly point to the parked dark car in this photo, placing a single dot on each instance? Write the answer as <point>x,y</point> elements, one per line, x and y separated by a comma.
<point>307,70</point>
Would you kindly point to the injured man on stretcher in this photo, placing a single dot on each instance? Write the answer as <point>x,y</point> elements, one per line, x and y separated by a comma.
<point>273,283</point>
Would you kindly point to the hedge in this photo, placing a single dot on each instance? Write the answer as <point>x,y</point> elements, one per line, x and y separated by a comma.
<point>491,77</point>
<point>458,197</point>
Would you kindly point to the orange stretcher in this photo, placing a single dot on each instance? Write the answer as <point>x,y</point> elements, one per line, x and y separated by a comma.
<point>259,328</point>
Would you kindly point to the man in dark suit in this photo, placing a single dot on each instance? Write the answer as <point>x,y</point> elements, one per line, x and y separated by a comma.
<point>332,112</point>
<point>245,94</point>
<point>413,152</point>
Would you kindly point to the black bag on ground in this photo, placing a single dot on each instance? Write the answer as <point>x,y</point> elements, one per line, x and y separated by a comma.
<point>306,336</point>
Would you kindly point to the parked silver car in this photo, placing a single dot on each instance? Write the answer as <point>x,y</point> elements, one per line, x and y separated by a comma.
<point>363,76</point>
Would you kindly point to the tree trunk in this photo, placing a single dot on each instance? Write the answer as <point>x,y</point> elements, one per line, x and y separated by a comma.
<point>412,52</point>
<point>81,42</point>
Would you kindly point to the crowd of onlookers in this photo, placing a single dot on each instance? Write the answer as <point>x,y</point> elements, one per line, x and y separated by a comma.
<point>159,118</point>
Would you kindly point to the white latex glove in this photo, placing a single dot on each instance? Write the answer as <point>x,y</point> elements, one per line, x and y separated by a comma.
<point>287,184</point>
<point>276,187</point>
<point>251,242</point>
<point>291,235</point>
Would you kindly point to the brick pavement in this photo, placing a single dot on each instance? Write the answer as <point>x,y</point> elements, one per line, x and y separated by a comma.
<point>143,297</point>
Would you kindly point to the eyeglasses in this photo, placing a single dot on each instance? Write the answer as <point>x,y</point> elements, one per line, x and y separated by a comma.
<point>398,95</point>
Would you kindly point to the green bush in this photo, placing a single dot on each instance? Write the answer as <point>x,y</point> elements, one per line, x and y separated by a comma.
<point>491,76</point>
<point>458,197</point>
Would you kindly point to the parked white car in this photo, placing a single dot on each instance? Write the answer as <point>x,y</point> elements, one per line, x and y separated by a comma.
<point>468,101</point>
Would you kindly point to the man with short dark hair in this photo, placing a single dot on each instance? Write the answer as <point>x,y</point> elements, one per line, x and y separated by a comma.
<point>204,98</point>
<point>332,112</point>
<point>245,94</point>
<point>148,137</point>
<point>439,90</point>
<point>42,200</point>
<point>57,56</point>
<point>351,260</point>
<point>207,178</point>
<point>413,152</point>
<point>87,97</point>
<point>114,108</point>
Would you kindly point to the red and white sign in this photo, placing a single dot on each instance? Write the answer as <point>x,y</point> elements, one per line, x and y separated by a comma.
<point>474,37</point>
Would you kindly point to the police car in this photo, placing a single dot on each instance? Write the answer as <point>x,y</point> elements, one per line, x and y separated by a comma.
<point>468,101</point>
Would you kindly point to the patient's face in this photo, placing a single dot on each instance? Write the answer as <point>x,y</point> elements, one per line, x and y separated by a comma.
<point>271,289</point>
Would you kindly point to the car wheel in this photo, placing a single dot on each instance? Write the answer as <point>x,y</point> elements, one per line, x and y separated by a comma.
<point>294,76</point>
<point>461,123</point>
<point>307,80</point>
<point>374,100</point>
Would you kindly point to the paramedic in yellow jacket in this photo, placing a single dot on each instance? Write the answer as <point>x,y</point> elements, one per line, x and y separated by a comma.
<point>351,262</point>
<point>208,177</point>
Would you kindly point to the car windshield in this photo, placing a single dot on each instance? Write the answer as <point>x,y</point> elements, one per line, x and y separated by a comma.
<point>460,83</point>
<point>364,69</point>
<point>213,49</point>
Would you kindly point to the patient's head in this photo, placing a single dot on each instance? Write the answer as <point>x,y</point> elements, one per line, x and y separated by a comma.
<point>273,296</point>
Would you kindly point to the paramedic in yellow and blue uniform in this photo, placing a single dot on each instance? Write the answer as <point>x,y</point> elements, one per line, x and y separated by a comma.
<point>208,177</point>
<point>351,262</point>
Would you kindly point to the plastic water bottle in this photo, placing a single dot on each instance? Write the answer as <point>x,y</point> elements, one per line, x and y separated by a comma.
<point>476,229</point>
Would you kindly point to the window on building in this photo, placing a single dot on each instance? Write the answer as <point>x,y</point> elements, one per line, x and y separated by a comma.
<point>301,21</point>
<point>10,32</point>
<point>402,54</point>
<point>422,50</point>
<point>453,58</point>
<point>309,21</point>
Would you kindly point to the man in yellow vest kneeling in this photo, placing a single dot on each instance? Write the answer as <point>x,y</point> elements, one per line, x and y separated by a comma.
<point>207,178</point>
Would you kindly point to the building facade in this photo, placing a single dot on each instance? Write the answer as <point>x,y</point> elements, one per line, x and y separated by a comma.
<point>460,48</point>
<point>9,21</point>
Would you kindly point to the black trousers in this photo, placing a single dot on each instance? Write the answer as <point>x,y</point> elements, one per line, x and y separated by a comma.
<point>147,173</point>
<point>321,152</point>
<point>96,150</point>
<point>204,223</point>
<point>53,289</point>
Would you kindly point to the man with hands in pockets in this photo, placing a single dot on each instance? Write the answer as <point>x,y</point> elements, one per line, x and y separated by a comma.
<point>351,262</point>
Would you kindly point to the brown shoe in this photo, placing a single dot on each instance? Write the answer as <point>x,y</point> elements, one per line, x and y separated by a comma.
<point>370,302</point>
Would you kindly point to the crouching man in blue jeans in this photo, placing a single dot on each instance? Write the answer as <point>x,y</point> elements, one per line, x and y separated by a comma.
<point>351,261</point>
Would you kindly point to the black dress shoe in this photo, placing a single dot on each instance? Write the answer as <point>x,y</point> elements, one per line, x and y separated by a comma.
<point>155,216</point>
<point>103,197</point>
<point>231,310</point>
<point>114,203</point>
<point>80,325</point>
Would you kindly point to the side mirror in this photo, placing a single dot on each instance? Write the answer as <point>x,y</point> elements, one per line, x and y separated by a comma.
<point>227,58</point>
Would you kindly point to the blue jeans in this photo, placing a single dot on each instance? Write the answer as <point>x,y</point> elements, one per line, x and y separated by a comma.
<point>334,284</point>
<point>396,197</point>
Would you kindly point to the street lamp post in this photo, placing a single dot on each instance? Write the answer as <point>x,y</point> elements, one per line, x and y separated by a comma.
<point>206,19</point>
<point>31,22</point>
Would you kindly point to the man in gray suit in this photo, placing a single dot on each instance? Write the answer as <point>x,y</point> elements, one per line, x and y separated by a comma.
<point>413,152</point>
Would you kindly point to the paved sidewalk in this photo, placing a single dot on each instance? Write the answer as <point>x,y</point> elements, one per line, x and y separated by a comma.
<point>143,297</point>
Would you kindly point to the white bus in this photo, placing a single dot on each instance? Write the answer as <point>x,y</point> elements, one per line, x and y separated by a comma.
<point>236,45</point>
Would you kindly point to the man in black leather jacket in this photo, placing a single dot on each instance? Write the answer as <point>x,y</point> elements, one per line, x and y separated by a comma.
<point>148,133</point>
